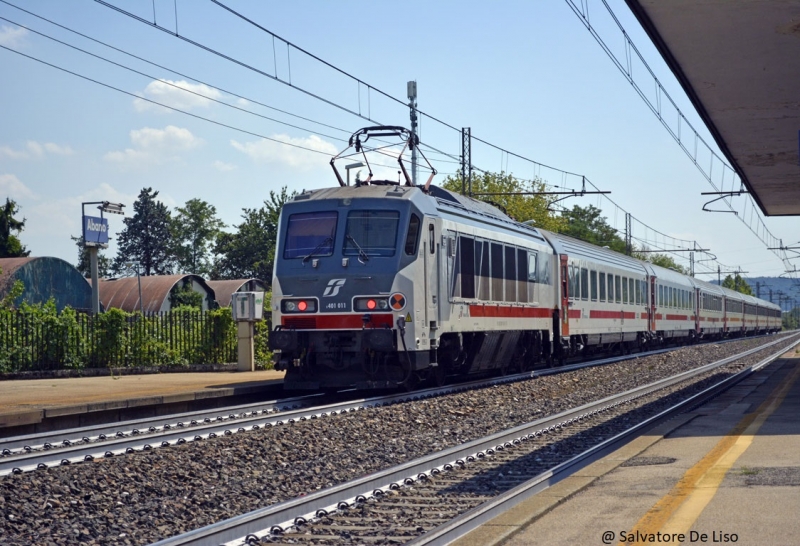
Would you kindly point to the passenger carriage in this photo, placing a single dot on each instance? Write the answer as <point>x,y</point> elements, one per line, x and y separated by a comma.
<point>603,297</point>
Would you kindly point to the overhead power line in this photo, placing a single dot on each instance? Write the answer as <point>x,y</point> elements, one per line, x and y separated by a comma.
<point>665,108</point>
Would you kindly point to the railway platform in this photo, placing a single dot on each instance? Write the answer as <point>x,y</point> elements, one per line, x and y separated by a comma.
<point>34,405</point>
<point>727,472</point>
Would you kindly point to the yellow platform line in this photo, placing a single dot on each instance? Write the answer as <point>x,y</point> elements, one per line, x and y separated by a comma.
<point>677,511</point>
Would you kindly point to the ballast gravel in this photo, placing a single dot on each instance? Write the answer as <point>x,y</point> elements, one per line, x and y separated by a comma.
<point>146,496</point>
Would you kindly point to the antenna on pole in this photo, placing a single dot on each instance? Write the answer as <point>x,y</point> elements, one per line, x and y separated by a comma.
<point>412,104</point>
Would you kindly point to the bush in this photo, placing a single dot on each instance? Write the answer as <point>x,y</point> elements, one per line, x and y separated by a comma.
<point>38,337</point>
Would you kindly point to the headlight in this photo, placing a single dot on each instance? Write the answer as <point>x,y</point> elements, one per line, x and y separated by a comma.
<point>371,304</point>
<point>299,306</point>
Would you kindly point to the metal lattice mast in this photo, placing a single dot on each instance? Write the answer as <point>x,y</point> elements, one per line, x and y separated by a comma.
<point>466,161</point>
<point>628,234</point>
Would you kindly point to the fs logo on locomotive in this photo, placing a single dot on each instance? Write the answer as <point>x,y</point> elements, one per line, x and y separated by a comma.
<point>333,288</point>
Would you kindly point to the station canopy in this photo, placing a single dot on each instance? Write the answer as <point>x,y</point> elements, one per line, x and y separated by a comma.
<point>739,62</point>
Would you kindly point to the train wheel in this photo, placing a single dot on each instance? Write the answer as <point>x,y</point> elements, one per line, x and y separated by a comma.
<point>439,376</point>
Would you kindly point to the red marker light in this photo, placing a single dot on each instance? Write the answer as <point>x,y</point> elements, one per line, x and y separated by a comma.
<point>302,306</point>
<point>371,304</point>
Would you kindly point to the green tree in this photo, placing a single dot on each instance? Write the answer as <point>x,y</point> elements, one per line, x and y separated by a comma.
<point>84,266</point>
<point>147,237</point>
<point>737,283</point>
<point>10,245</point>
<point>587,224</point>
<point>185,296</point>
<point>194,228</point>
<point>250,251</point>
<point>520,207</point>
<point>7,301</point>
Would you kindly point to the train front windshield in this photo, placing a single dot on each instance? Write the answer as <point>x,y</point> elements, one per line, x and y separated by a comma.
<point>367,233</point>
<point>371,232</point>
<point>310,233</point>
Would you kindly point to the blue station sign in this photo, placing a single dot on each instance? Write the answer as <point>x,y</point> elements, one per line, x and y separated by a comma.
<point>95,231</point>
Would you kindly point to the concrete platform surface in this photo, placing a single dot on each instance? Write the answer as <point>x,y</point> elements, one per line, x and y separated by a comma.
<point>31,400</point>
<point>727,472</point>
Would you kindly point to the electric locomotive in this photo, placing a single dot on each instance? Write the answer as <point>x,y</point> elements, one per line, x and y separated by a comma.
<point>380,285</point>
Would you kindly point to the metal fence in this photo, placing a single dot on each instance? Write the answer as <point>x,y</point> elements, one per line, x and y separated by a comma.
<point>70,339</point>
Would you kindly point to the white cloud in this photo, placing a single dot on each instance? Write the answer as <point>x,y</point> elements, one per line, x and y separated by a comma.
<point>13,37</point>
<point>242,102</point>
<point>58,150</point>
<point>12,187</point>
<point>34,149</point>
<point>269,151</point>
<point>155,145</point>
<point>178,94</point>
<point>222,166</point>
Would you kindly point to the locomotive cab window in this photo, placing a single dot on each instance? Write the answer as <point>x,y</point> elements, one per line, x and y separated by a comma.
<point>412,238</point>
<point>371,233</point>
<point>310,234</point>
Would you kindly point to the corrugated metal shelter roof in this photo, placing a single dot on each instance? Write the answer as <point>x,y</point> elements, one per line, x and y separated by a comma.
<point>223,290</point>
<point>9,267</point>
<point>123,293</point>
<point>44,278</point>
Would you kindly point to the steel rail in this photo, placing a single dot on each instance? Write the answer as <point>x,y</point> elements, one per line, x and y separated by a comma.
<point>87,443</point>
<point>37,440</point>
<point>282,516</point>
<point>64,437</point>
<point>472,519</point>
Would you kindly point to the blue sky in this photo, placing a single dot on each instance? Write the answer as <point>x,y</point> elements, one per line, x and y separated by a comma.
<point>524,75</point>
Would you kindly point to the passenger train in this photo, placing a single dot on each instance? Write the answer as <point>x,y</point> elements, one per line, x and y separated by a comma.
<point>380,285</point>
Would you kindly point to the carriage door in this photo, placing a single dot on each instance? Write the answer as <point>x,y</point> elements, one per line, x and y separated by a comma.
<point>697,310</point>
<point>652,311</point>
<point>431,281</point>
<point>564,297</point>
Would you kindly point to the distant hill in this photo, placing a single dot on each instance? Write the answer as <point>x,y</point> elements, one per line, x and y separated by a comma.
<point>788,287</point>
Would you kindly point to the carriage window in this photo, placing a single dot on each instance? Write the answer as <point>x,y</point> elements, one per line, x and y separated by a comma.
<point>584,283</point>
<point>371,232</point>
<point>638,292</point>
<point>617,289</point>
<point>310,233</point>
<point>593,284</point>
<point>630,290</point>
<point>412,238</point>
<point>484,275</point>
<point>543,271</point>
<point>532,267</point>
<point>497,271</point>
<point>511,273</point>
<point>602,287</point>
<point>522,276</point>
<point>467,263</point>
<point>624,290</point>
<point>660,296</point>
<point>610,288</point>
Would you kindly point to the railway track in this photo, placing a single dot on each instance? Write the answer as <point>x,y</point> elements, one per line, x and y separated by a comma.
<point>60,448</point>
<point>442,496</point>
